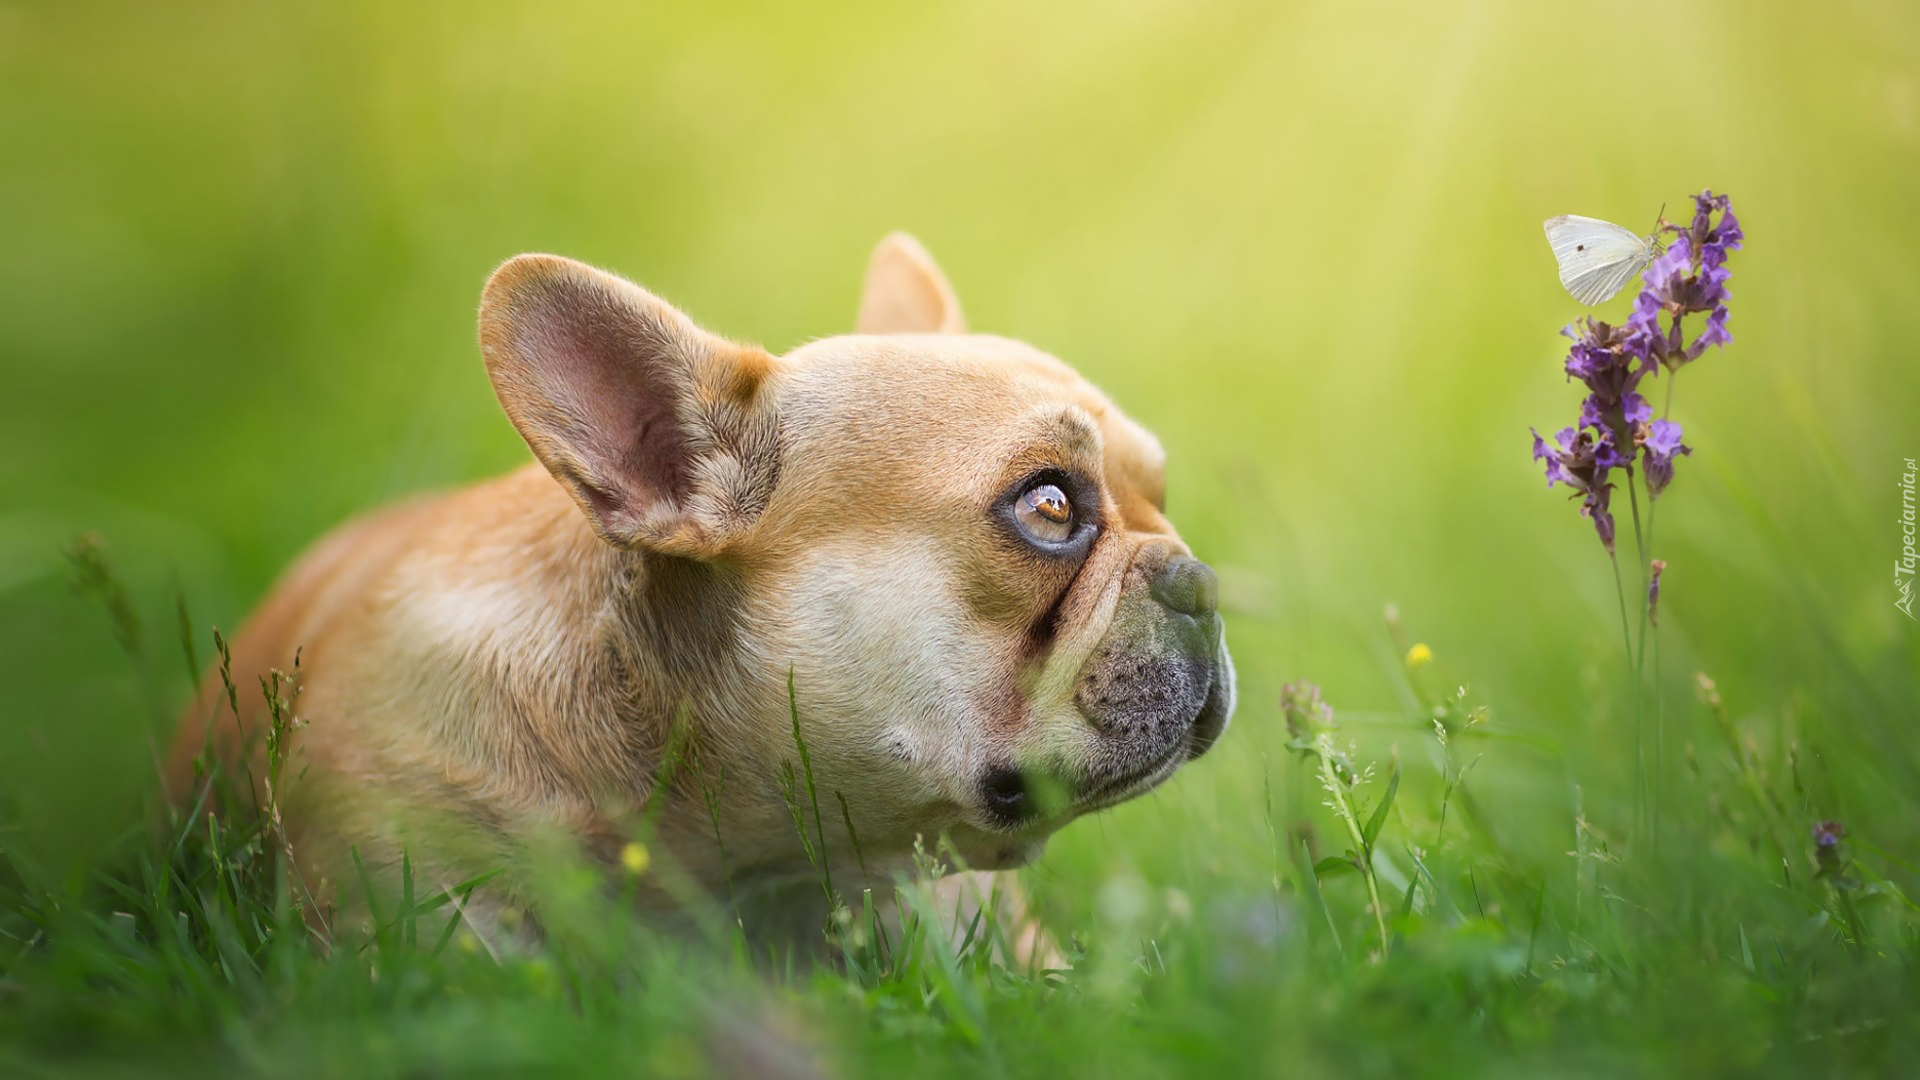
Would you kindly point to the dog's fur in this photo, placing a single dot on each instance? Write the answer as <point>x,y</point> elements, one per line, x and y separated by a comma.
<point>706,525</point>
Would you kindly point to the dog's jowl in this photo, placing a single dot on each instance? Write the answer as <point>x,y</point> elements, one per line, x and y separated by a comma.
<point>950,546</point>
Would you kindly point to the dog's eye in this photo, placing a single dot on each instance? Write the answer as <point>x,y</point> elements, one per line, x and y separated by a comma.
<point>1044,514</point>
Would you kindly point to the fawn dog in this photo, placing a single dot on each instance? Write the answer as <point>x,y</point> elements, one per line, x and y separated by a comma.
<point>944,553</point>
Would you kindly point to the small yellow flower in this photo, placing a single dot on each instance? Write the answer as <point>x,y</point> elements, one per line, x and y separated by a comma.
<point>1419,655</point>
<point>635,858</point>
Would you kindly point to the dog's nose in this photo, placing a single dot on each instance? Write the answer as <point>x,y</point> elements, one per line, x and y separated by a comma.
<point>1187,586</point>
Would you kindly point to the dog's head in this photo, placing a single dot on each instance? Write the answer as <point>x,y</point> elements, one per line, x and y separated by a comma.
<point>955,544</point>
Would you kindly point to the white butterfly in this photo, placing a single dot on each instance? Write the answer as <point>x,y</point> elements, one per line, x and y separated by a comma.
<point>1598,258</point>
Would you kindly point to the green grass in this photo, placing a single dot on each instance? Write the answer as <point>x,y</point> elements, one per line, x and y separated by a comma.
<point>1725,942</point>
<point>240,250</point>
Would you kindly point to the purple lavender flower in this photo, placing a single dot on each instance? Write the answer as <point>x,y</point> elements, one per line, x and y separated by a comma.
<point>1613,410</point>
<point>1590,417</point>
<point>1716,331</point>
<point>1667,275</point>
<point>1602,359</point>
<point>1595,510</point>
<point>1828,834</point>
<point>1581,459</point>
<point>1689,279</point>
<point>1660,444</point>
<point>1725,233</point>
<point>1592,353</point>
<point>1557,454</point>
<point>1616,421</point>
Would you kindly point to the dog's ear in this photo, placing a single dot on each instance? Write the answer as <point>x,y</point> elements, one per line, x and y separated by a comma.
<point>658,428</point>
<point>906,293</point>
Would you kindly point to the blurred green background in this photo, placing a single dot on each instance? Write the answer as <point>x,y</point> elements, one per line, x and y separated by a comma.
<point>241,246</point>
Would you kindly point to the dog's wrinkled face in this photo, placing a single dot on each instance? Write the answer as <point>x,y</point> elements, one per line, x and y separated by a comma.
<point>977,577</point>
<point>956,545</point>
<point>977,574</point>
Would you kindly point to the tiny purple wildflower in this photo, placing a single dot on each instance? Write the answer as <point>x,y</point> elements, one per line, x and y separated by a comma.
<point>1667,275</point>
<point>1725,233</point>
<point>1602,520</point>
<point>1590,416</point>
<point>1581,458</point>
<point>1644,323</point>
<point>1555,456</point>
<point>1716,331</point>
<point>1829,853</point>
<point>1602,359</point>
<point>1689,279</point>
<point>1661,442</point>
<point>1635,409</point>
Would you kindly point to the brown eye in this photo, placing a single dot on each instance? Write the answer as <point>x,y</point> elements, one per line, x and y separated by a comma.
<point>1044,514</point>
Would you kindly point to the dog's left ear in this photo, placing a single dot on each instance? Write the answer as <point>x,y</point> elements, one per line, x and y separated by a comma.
<point>659,429</point>
<point>906,293</point>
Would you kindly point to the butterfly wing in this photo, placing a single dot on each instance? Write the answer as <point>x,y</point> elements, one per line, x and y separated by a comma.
<point>1597,258</point>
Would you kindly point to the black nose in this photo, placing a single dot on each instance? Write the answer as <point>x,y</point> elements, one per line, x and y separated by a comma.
<point>1187,586</point>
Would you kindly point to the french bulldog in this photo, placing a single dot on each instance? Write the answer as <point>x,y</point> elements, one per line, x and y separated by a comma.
<point>937,560</point>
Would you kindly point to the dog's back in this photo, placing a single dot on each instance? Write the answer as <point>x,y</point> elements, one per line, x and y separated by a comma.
<point>332,576</point>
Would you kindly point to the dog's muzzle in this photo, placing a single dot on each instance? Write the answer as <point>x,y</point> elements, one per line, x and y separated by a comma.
<point>1158,691</point>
